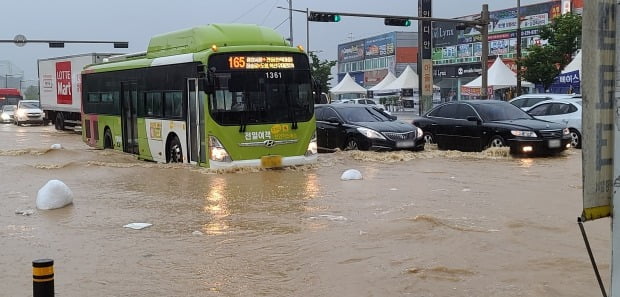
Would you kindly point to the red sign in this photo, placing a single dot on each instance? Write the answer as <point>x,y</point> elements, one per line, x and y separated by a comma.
<point>63,82</point>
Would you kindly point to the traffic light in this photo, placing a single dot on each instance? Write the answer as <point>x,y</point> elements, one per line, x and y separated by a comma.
<point>323,17</point>
<point>397,22</point>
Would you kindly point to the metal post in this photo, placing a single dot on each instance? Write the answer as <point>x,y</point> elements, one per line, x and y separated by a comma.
<point>43,278</point>
<point>290,20</point>
<point>307,31</point>
<point>518,92</point>
<point>484,20</point>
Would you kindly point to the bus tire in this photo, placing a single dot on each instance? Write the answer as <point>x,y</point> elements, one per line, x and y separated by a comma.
<point>174,152</point>
<point>59,123</point>
<point>107,139</point>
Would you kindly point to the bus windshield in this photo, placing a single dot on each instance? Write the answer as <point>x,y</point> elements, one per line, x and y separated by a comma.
<point>262,96</point>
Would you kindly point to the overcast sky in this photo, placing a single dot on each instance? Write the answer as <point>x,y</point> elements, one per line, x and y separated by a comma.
<point>136,21</point>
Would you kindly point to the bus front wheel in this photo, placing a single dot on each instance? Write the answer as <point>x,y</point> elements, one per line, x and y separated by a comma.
<point>175,153</point>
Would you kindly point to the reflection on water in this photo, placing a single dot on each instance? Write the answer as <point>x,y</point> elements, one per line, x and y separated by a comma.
<point>526,162</point>
<point>216,206</point>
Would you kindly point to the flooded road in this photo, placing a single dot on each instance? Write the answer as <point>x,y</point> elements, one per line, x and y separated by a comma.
<point>432,223</point>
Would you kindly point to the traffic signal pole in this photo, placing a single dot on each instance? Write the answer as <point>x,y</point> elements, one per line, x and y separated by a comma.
<point>481,24</point>
<point>484,58</point>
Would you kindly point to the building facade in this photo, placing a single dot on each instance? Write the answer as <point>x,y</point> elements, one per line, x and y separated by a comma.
<point>369,60</point>
<point>456,53</point>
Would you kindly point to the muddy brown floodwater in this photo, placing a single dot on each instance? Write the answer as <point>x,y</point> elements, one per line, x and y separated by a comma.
<point>431,223</point>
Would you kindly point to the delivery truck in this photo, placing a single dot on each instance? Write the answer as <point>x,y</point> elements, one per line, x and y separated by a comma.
<point>60,87</point>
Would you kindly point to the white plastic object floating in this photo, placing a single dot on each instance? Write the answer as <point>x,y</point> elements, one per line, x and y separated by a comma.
<point>56,146</point>
<point>138,226</point>
<point>351,174</point>
<point>54,194</point>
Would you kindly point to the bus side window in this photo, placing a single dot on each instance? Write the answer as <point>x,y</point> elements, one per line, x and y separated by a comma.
<point>152,105</point>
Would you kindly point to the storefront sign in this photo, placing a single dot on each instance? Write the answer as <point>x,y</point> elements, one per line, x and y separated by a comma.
<point>349,52</point>
<point>380,46</point>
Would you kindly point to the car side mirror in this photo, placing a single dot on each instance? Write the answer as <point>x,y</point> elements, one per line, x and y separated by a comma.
<point>474,119</point>
<point>392,117</point>
<point>334,120</point>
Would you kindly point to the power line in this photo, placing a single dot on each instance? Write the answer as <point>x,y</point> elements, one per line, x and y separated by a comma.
<point>249,10</point>
<point>276,27</point>
<point>270,11</point>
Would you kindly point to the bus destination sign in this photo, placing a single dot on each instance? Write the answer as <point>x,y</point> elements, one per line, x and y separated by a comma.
<point>261,62</point>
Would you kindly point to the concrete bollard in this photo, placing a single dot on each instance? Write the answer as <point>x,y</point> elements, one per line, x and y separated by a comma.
<point>43,278</point>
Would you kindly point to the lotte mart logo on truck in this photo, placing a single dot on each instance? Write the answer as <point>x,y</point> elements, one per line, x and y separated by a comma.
<point>63,82</point>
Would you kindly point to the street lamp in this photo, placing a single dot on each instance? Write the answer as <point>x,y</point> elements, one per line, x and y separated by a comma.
<point>307,25</point>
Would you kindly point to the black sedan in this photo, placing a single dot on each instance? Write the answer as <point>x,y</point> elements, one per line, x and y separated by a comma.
<point>363,127</point>
<point>474,125</point>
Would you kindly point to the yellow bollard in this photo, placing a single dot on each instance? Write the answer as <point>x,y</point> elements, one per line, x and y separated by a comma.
<point>43,278</point>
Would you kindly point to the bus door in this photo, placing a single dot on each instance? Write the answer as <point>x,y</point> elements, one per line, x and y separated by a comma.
<point>129,118</point>
<point>195,123</point>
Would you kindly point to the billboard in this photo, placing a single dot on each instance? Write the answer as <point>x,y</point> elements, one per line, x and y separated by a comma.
<point>444,34</point>
<point>352,51</point>
<point>380,46</point>
<point>459,46</point>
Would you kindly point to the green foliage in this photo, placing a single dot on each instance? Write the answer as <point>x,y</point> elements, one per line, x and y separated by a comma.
<point>32,93</point>
<point>564,35</point>
<point>543,63</point>
<point>321,71</point>
<point>540,66</point>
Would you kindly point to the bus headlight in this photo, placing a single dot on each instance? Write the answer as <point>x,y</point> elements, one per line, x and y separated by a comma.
<point>217,152</point>
<point>312,148</point>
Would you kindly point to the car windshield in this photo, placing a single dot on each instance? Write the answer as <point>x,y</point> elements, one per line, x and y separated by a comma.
<point>367,114</point>
<point>500,112</point>
<point>28,105</point>
<point>8,108</point>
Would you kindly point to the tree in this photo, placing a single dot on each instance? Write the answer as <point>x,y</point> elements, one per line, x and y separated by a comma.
<point>321,71</point>
<point>540,66</point>
<point>543,63</point>
<point>564,35</point>
<point>32,93</point>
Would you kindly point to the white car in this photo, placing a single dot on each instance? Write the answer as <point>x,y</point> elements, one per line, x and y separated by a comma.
<point>563,111</point>
<point>526,101</point>
<point>28,112</point>
<point>365,101</point>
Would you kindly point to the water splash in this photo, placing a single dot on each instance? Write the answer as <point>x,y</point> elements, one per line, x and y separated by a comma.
<point>28,151</point>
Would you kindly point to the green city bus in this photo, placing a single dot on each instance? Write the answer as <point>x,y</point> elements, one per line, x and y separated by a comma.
<point>219,96</point>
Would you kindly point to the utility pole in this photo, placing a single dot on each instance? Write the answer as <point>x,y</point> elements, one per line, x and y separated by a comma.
<point>484,20</point>
<point>307,24</point>
<point>518,92</point>
<point>290,20</point>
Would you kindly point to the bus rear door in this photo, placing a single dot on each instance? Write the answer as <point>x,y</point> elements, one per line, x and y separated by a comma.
<point>195,123</point>
<point>129,117</point>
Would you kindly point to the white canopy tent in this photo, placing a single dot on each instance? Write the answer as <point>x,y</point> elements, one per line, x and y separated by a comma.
<point>406,80</point>
<point>389,78</point>
<point>499,76</point>
<point>347,86</point>
<point>574,65</point>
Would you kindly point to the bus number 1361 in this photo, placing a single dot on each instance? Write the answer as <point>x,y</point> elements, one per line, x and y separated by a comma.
<point>273,74</point>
